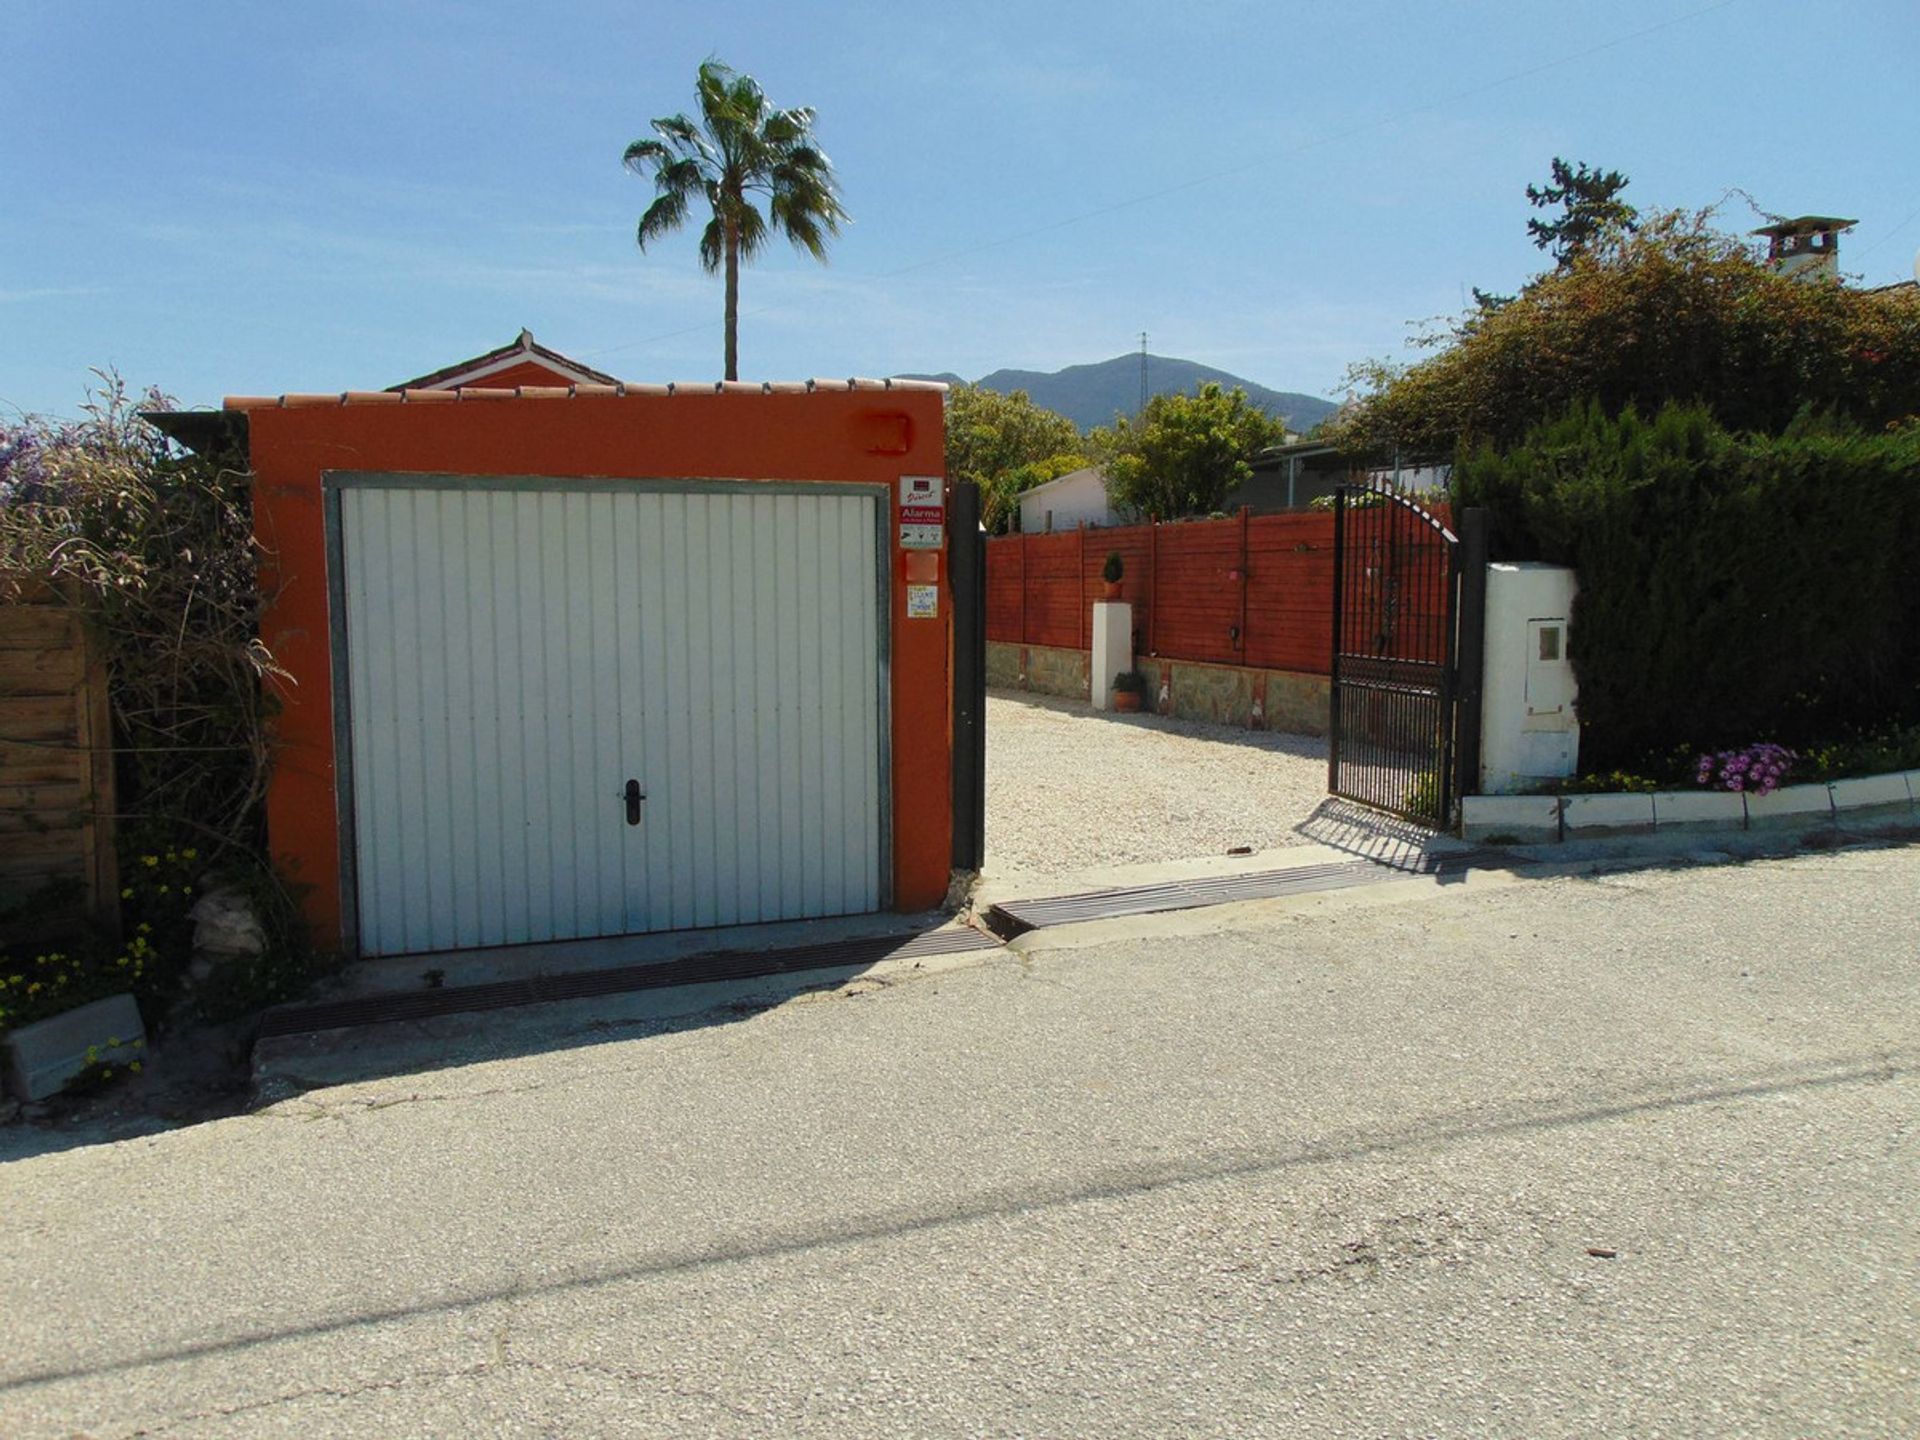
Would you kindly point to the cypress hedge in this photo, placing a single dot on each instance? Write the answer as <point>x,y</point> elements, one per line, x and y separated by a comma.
<point>1733,587</point>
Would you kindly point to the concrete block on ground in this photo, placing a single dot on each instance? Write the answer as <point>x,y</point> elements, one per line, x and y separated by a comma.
<point>1790,805</point>
<point>42,1057</point>
<point>1871,795</point>
<point>1510,819</point>
<point>1588,817</point>
<point>1699,810</point>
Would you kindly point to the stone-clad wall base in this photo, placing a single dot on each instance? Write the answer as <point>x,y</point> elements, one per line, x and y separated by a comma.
<point>1236,695</point>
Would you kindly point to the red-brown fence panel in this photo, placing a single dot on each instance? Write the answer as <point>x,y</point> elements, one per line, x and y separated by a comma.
<point>1197,572</point>
<point>1290,592</point>
<point>1251,590</point>
<point>1054,593</point>
<point>1006,576</point>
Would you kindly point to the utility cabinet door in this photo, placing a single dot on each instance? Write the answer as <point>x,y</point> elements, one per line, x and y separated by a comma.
<point>515,655</point>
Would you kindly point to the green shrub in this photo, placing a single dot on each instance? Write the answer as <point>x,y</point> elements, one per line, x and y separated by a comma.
<point>1889,748</point>
<point>1732,587</point>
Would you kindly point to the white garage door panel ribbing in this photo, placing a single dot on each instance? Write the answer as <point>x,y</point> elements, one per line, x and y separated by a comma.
<point>515,656</point>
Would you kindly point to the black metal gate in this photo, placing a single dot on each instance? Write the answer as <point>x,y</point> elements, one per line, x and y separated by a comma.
<point>1396,613</point>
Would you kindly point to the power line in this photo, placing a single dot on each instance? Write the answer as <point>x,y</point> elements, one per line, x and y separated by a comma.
<point>1888,236</point>
<point>1100,212</point>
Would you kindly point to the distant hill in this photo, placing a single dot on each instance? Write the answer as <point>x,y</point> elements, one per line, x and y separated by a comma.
<point>1092,395</point>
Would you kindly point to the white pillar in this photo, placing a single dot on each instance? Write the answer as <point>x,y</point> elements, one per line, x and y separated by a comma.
<point>1529,732</point>
<point>1112,648</point>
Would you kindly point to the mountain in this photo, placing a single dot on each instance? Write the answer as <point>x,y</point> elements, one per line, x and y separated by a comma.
<point>1092,395</point>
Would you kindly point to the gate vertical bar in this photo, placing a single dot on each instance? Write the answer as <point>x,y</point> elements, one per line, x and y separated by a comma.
<point>1333,671</point>
<point>1443,761</point>
<point>1471,629</point>
<point>967,569</point>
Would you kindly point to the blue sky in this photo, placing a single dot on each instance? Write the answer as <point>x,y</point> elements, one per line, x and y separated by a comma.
<point>243,198</point>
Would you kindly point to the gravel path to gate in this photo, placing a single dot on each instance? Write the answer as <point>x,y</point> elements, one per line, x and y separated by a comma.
<point>1069,788</point>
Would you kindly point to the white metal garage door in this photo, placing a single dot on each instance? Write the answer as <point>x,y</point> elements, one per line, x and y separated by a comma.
<point>518,652</point>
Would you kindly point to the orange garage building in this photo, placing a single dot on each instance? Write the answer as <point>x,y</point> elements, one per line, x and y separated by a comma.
<point>601,659</point>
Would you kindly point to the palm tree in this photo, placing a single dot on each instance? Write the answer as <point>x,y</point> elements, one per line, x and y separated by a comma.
<point>742,147</point>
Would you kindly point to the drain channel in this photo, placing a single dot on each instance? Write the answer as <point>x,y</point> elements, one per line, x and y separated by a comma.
<point>1015,917</point>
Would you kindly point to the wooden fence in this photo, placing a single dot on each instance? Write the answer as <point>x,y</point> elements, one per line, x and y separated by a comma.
<point>1249,590</point>
<point>56,777</point>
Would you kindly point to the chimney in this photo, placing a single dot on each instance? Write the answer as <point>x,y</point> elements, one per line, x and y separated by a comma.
<point>1807,248</point>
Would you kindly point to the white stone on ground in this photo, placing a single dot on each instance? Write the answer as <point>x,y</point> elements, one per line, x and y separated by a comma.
<point>1071,789</point>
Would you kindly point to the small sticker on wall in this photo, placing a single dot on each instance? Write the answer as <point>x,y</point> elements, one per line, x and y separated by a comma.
<point>923,602</point>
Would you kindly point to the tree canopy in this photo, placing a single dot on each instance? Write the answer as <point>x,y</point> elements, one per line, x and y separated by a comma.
<point>1673,311</point>
<point>741,147</point>
<point>1183,453</point>
<point>1590,206</point>
<point>1006,444</point>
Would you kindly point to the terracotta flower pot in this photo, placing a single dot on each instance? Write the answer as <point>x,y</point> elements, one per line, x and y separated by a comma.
<point>1127,702</point>
<point>1113,589</point>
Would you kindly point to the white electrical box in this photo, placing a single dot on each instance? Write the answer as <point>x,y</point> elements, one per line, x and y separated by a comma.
<point>1528,730</point>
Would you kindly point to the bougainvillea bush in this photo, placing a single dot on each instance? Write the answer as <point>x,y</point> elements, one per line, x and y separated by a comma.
<point>154,547</point>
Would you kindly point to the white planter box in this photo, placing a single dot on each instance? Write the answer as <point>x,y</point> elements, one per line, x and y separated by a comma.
<point>1699,810</point>
<point>1589,817</point>
<point>1872,793</point>
<point>1790,805</point>
<point>1523,819</point>
<point>44,1056</point>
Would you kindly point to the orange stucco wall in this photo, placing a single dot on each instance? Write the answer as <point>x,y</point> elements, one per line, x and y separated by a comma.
<point>865,435</point>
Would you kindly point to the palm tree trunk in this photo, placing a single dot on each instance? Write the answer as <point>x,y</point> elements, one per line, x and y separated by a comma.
<point>733,303</point>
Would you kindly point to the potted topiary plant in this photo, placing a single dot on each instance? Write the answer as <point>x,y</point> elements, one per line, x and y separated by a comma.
<point>1111,573</point>
<point>1129,691</point>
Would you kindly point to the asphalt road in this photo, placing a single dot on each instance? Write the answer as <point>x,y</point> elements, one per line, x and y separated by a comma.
<point>1632,1154</point>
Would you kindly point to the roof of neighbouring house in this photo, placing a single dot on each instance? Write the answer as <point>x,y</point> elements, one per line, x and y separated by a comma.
<point>1273,455</point>
<point>522,361</point>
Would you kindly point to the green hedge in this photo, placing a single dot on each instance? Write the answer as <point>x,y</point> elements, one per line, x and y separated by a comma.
<point>1733,588</point>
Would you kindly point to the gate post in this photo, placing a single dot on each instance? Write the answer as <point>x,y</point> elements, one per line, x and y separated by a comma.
<point>967,572</point>
<point>1472,630</point>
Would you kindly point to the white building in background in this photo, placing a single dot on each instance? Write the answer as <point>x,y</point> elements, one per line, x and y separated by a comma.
<point>1077,498</point>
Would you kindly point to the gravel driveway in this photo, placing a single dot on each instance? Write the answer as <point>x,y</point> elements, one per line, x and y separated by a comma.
<point>1069,788</point>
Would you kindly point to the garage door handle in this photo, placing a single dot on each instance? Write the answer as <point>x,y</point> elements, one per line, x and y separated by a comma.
<point>635,797</point>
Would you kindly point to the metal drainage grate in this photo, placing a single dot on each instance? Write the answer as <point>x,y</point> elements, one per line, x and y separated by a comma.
<point>581,985</point>
<point>1016,917</point>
